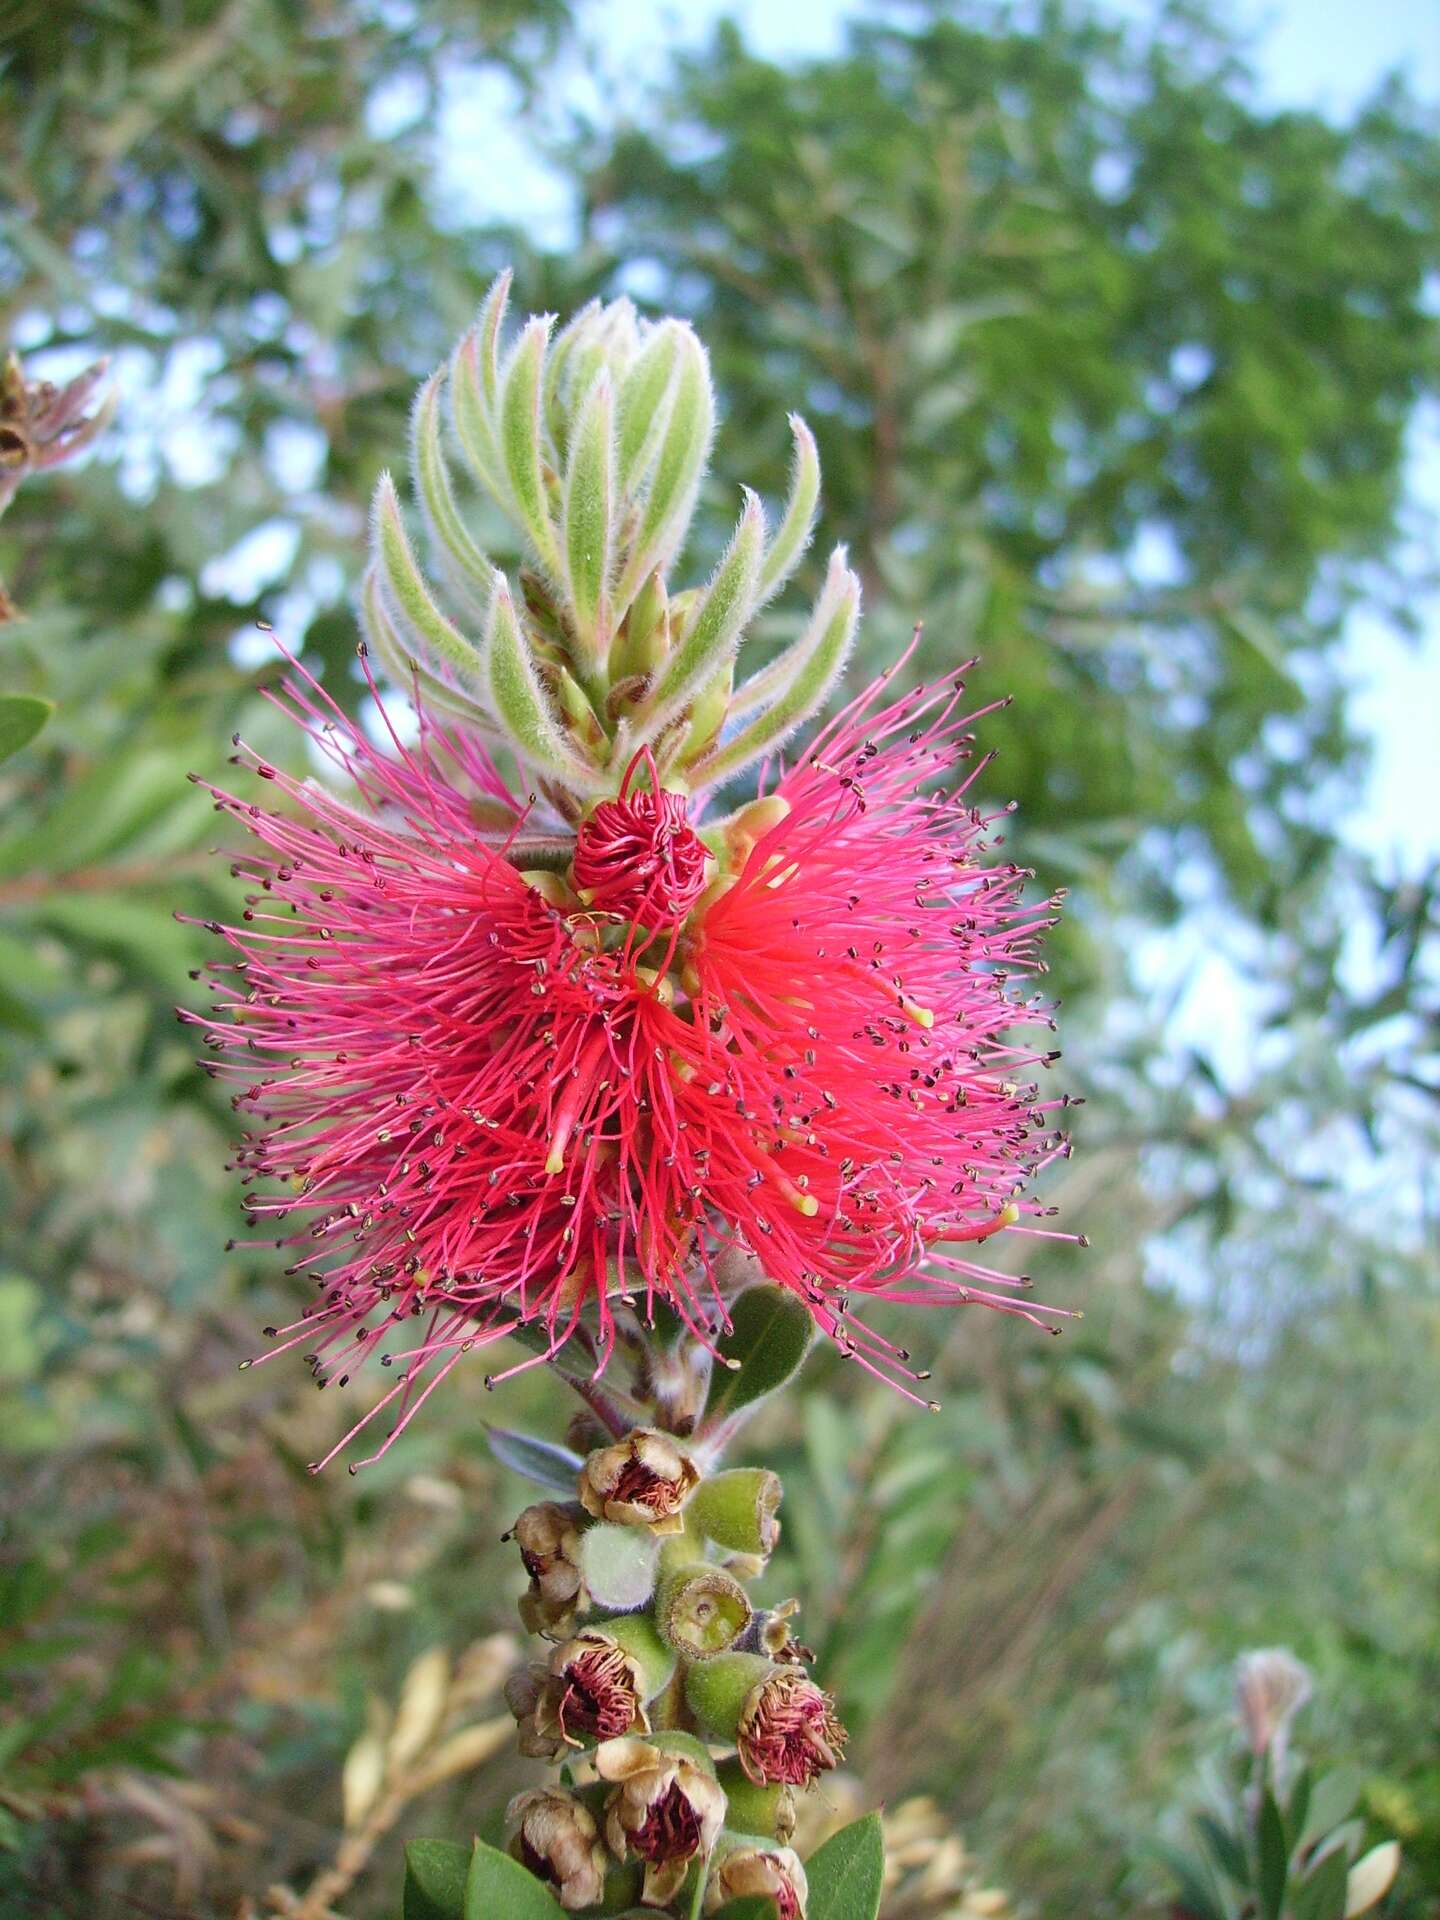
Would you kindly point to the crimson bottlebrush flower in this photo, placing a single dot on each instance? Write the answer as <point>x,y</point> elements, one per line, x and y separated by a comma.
<point>524,1064</point>
<point>472,1109</point>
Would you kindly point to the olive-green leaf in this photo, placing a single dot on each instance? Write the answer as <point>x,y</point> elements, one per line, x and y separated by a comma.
<point>1322,1895</point>
<point>499,1888</point>
<point>22,715</point>
<point>538,1460</point>
<point>846,1874</point>
<point>435,1874</point>
<point>769,1335</point>
<point>750,1906</point>
<point>1273,1856</point>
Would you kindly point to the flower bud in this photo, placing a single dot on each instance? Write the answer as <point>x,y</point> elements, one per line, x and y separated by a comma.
<point>594,1687</point>
<point>548,1536</point>
<point>737,1510</point>
<point>783,1725</point>
<point>667,1808</point>
<point>644,1480</point>
<point>558,1839</point>
<point>750,1867</point>
<point>701,1610</point>
<point>1271,1686</point>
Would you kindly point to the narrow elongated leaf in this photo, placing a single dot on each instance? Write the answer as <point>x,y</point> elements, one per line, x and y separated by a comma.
<point>423,630</point>
<point>590,516</point>
<point>679,467</point>
<point>439,695</point>
<point>520,701</point>
<point>847,1874</point>
<point>1333,1798</point>
<point>1272,1853</point>
<point>499,1888</point>
<point>539,1460</point>
<point>1322,1895</point>
<point>797,685</point>
<point>769,1336</point>
<point>466,567</point>
<point>520,438</point>
<point>435,1875</point>
<point>22,715</point>
<point>1226,1848</point>
<point>797,523</point>
<point>644,405</point>
<point>713,630</point>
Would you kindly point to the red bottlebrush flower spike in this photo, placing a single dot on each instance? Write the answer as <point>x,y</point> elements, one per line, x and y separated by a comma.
<point>638,856</point>
<point>471,1112</point>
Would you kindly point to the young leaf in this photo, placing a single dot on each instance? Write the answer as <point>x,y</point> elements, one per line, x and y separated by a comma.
<point>679,466</point>
<point>499,1888</point>
<point>590,516</point>
<point>792,536</point>
<point>538,1460</point>
<point>22,715</point>
<point>847,1874</point>
<point>643,408</point>
<point>520,437</point>
<point>1332,1799</point>
<point>381,637</point>
<point>519,699</point>
<point>713,631</point>
<point>797,684</point>
<point>769,1334</point>
<point>435,1874</point>
<point>1228,1850</point>
<point>1322,1894</point>
<point>750,1906</point>
<point>466,567</point>
<point>419,624</point>
<point>1273,1868</point>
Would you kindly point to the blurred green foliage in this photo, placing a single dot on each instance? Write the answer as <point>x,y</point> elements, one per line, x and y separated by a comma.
<point>1112,369</point>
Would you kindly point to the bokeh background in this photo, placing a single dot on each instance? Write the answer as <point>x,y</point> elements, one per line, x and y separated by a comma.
<point>1118,330</point>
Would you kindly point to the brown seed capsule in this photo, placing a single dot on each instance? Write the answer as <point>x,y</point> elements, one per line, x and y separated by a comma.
<point>558,1839</point>
<point>667,1810</point>
<point>643,1480</point>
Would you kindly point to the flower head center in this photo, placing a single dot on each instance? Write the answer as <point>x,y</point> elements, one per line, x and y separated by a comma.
<point>638,855</point>
<point>671,1829</point>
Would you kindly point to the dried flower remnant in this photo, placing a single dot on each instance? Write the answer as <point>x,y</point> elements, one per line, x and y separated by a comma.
<point>558,1839</point>
<point>789,1732</point>
<point>548,1536</point>
<point>642,1481</point>
<point>43,425</point>
<point>594,1687</point>
<point>667,1808</point>
<point>773,1873</point>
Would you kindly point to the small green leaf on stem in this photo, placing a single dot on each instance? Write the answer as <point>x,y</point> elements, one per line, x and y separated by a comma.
<point>539,1460</point>
<point>769,1336</point>
<point>847,1874</point>
<point>435,1874</point>
<point>499,1888</point>
<point>22,715</point>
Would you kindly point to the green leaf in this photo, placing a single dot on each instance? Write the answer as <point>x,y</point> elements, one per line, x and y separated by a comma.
<point>499,1888</point>
<point>1198,1889</point>
<point>712,632</point>
<point>792,536</point>
<point>1227,1849</point>
<point>520,438</point>
<point>520,700</point>
<point>1333,1798</point>
<point>422,628</point>
<point>1273,1856</point>
<point>468,568</point>
<point>435,1880</point>
<point>1322,1894</point>
<point>22,715</point>
<point>538,1460</point>
<point>750,1906</point>
<point>678,468</point>
<point>618,1564</point>
<point>590,515</point>
<point>769,1336</point>
<point>642,410</point>
<point>847,1874</point>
